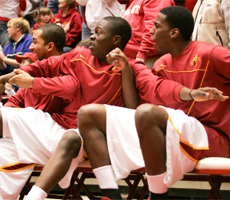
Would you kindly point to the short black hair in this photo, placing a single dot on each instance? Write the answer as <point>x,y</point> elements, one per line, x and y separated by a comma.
<point>181,18</point>
<point>120,26</point>
<point>53,33</point>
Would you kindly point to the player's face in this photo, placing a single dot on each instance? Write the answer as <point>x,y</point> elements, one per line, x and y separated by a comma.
<point>161,34</point>
<point>38,45</point>
<point>101,42</point>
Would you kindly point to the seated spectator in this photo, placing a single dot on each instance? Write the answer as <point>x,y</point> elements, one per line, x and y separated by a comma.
<point>31,6</point>
<point>42,16</point>
<point>18,32</point>
<point>24,59</point>
<point>212,22</point>
<point>69,19</point>
<point>8,10</point>
<point>184,121</point>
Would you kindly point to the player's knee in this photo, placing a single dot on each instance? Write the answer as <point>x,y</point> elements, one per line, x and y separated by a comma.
<point>86,115</point>
<point>91,117</point>
<point>146,116</point>
<point>145,113</point>
<point>70,143</point>
<point>149,118</point>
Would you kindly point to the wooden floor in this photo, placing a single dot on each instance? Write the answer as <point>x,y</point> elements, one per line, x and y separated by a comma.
<point>182,190</point>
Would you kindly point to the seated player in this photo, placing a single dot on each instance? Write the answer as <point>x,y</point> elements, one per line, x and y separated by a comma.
<point>172,139</point>
<point>91,80</point>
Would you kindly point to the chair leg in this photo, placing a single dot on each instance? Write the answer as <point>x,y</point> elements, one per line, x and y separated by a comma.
<point>215,183</point>
<point>144,188</point>
<point>25,189</point>
<point>71,186</point>
<point>134,194</point>
<point>81,186</point>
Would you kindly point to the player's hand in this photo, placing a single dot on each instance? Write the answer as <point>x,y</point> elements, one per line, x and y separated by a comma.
<point>22,79</point>
<point>207,93</point>
<point>118,59</point>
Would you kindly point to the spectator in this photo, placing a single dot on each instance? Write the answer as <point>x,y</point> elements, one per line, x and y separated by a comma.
<point>18,32</point>
<point>101,9</point>
<point>32,5</point>
<point>26,58</point>
<point>212,22</point>
<point>69,19</point>
<point>8,10</point>
<point>141,15</point>
<point>42,16</point>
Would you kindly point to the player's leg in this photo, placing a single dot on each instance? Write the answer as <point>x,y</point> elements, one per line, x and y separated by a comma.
<point>13,176</point>
<point>92,126</point>
<point>58,165</point>
<point>151,124</point>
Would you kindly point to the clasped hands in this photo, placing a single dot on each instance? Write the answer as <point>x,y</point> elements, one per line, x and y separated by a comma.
<point>22,79</point>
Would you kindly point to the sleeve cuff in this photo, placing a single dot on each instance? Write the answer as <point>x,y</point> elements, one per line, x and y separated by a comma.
<point>141,55</point>
<point>36,85</point>
<point>176,93</point>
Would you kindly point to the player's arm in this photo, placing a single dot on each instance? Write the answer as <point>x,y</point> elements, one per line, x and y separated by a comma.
<point>129,90</point>
<point>202,94</point>
<point>64,86</point>
<point>3,80</point>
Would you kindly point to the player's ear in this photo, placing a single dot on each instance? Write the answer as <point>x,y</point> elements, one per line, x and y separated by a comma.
<point>174,32</point>
<point>117,40</point>
<point>51,46</point>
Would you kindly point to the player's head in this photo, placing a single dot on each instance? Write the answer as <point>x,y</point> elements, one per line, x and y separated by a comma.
<point>48,40</point>
<point>110,32</point>
<point>181,18</point>
<point>173,25</point>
